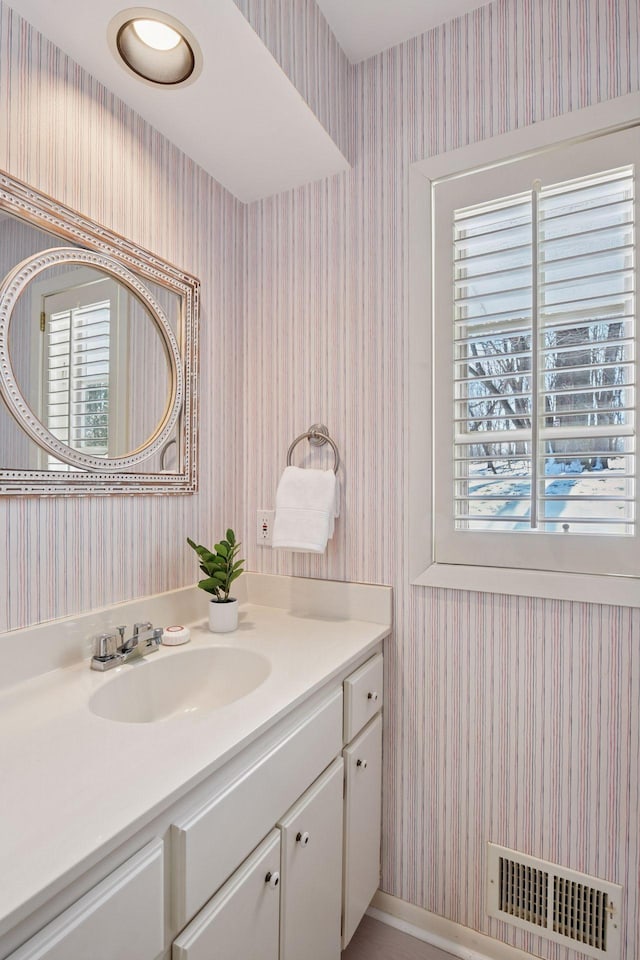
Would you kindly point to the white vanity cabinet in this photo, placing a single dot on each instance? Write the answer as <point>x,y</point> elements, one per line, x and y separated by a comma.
<point>123,916</point>
<point>330,836</point>
<point>261,859</point>
<point>284,901</point>
<point>363,791</point>
<point>297,786</point>
<point>210,842</point>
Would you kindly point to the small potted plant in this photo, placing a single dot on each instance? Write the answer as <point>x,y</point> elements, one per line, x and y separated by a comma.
<point>221,568</point>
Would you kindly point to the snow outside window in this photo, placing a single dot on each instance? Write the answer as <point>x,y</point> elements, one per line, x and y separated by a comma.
<point>535,307</point>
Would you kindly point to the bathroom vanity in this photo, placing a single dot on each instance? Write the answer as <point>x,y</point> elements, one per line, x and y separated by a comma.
<point>246,829</point>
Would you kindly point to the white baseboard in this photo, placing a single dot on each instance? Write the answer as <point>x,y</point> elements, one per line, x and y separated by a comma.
<point>451,937</point>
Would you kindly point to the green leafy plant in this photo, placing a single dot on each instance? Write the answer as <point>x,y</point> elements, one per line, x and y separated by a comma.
<point>220,566</point>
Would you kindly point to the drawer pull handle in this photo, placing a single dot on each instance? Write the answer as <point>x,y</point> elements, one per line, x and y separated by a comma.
<point>361,763</point>
<point>303,839</point>
<point>273,879</point>
<point>372,695</point>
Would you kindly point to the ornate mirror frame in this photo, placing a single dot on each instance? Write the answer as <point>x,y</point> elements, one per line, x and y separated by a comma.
<point>97,247</point>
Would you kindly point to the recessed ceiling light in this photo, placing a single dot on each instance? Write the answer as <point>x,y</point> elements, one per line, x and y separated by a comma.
<point>158,35</point>
<point>154,46</point>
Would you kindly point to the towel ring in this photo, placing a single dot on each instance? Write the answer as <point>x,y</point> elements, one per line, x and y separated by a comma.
<point>318,435</point>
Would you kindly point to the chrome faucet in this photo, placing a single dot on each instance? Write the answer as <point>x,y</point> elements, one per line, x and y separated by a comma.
<point>112,650</point>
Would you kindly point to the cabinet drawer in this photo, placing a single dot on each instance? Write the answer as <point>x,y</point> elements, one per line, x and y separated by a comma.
<point>362,826</point>
<point>241,921</point>
<point>362,696</point>
<point>123,916</point>
<point>208,845</point>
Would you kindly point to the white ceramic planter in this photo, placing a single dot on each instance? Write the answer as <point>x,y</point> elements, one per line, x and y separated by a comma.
<point>223,617</point>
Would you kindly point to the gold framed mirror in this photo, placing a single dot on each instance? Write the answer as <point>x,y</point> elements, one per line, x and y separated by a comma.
<point>98,357</point>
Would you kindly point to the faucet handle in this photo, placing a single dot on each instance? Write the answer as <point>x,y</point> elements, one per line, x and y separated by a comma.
<point>142,627</point>
<point>105,645</point>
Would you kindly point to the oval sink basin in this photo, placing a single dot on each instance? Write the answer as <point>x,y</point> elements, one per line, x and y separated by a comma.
<point>186,683</point>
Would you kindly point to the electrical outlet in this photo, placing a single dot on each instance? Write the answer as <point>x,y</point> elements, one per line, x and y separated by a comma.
<point>264,527</point>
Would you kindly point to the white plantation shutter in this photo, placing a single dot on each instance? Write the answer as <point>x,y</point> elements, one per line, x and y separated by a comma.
<point>493,362</point>
<point>77,391</point>
<point>586,383</point>
<point>544,317</point>
<point>541,331</point>
<point>80,327</point>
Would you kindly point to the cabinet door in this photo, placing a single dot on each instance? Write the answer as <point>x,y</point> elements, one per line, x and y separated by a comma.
<point>241,922</point>
<point>362,814</point>
<point>122,917</point>
<point>311,895</point>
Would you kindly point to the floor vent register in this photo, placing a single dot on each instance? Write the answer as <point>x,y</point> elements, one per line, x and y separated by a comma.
<point>559,904</point>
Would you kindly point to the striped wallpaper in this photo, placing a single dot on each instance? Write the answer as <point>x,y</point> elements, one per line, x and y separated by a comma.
<point>62,132</point>
<point>510,719</point>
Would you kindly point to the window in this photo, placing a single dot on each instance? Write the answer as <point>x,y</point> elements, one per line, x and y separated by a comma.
<point>80,338</point>
<point>77,377</point>
<point>533,368</point>
<point>544,327</point>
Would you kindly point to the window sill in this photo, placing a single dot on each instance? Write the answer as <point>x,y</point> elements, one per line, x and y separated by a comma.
<point>584,588</point>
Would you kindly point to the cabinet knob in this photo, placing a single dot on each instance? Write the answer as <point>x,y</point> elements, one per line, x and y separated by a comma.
<point>362,764</point>
<point>303,839</point>
<point>373,695</point>
<point>273,879</point>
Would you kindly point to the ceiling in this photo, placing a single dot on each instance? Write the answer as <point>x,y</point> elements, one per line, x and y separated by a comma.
<point>366,27</point>
<point>242,119</point>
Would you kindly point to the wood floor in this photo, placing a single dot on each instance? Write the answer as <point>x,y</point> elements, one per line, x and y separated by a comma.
<point>378,941</point>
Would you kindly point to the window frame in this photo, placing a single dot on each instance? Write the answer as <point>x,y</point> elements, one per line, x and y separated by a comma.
<point>582,125</point>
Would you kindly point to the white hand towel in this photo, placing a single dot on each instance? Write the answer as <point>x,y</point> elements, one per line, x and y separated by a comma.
<point>306,507</point>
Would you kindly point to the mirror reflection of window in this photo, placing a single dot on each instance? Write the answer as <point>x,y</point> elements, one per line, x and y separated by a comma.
<point>77,378</point>
<point>81,328</point>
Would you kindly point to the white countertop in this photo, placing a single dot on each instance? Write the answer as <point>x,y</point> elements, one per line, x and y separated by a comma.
<point>75,785</point>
